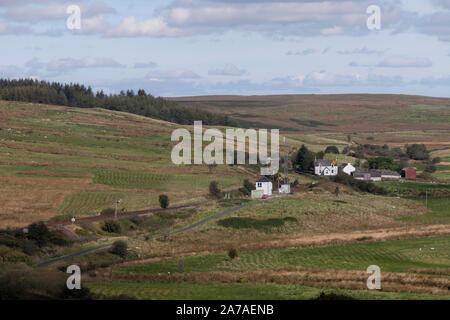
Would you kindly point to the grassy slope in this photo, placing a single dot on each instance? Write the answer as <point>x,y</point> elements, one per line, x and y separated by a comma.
<point>321,120</point>
<point>390,256</point>
<point>361,113</point>
<point>72,161</point>
<point>78,161</point>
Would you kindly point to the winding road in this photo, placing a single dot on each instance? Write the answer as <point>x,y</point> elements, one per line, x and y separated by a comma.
<point>190,227</point>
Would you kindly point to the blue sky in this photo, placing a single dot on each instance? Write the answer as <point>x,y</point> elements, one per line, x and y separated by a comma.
<point>205,47</point>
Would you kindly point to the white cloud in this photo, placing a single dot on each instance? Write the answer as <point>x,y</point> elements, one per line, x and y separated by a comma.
<point>336,30</point>
<point>405,62</point>
<point>62,65</point>
<point>363,50</point>
<point>179,74</point>
<point>300,52</point>
<point>228,70</point>
<point>153,27</point>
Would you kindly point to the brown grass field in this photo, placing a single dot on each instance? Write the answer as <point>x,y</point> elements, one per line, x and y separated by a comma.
<point>392,119</point>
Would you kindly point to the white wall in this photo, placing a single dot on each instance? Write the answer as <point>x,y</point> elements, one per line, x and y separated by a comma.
<point>266,187</point>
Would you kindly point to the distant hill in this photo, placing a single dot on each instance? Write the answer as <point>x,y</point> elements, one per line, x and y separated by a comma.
<point>346,113</point>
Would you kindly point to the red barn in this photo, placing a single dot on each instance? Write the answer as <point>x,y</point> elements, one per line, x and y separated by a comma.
<point>409,173</point>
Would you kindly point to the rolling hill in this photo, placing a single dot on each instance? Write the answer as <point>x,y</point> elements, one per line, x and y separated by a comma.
<point>393,119</point>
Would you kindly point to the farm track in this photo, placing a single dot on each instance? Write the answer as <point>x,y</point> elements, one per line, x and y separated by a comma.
<point>190,227</point>
<point>124,215</point>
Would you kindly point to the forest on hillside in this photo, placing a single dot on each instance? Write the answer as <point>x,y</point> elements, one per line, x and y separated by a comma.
<point>76,95</point>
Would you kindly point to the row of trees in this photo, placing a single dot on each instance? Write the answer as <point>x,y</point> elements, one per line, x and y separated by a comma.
<point>364,151</point>
<point>76,95</point>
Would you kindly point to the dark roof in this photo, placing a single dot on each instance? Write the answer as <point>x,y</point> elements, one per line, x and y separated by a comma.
<point>389,173</point>
<point>323,162</point>
<point>375,173</point>
<point>360,174</point>
<point>263,179</point>
<point>364,172</point>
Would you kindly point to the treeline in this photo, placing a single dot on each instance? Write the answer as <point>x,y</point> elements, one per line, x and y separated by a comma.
<point>364,151</point>
<point>76,95</point>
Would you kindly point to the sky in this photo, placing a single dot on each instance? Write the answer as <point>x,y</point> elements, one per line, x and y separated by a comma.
<point>244,47</point>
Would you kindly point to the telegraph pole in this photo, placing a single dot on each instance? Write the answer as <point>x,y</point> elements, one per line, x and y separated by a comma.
<point>286,179</point>
<point>115,212</point>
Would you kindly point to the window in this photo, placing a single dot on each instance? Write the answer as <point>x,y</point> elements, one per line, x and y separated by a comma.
<point>259,184</point>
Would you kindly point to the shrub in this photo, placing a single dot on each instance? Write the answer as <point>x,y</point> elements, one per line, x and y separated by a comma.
<point>108,212</point>
<point>320,155</point>
<point>163,201</point>
<point>336,191</point>
<point>364,186</point>
<point>9,255</point>
<point>137,220</point>
<point>436,160</point>
<point>244,191</point>
<point>111,226</point>
<point>333,296</point>
<point>417,152</point>
<point>39,234</point>
<point>304,160</point>
<point>180,266</point>
<point>214,189</point>
<point>248,185</point>
<point>119,248</point>
<point>381,163</point>
<point>232,253</point>
<point>332,149</point>
<point>430,168</point>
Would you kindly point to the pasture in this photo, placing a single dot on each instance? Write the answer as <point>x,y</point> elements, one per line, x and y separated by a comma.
<point>241,291</point>
<point>390,256</point>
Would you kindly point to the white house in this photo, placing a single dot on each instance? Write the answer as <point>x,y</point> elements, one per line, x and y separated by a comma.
<point>325,167</point>
<point>265,185</point>
<point>347,168</point>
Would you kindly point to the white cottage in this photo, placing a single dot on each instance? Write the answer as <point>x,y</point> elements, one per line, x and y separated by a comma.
<point>347,169</point>
<point>265,185</point>
<point>325,167</point>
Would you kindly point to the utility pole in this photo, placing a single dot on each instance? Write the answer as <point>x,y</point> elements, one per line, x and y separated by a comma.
<point>286,179</point>
<point>426,198</point>
<point>115,212</point>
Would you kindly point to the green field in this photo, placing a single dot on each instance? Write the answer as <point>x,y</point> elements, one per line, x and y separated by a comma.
<point>415,187</point>
<point>439,211</point>
<point>390,256</point>
<point>240,291</point>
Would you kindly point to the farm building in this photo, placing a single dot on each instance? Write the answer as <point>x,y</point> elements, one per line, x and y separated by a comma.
<point>389,175</point>
<point>409,173</point>
<point>347,168</point>
<point>265,185</point>
<point>367,175</point>
<point>375,175</point>
<point>325,167</point>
